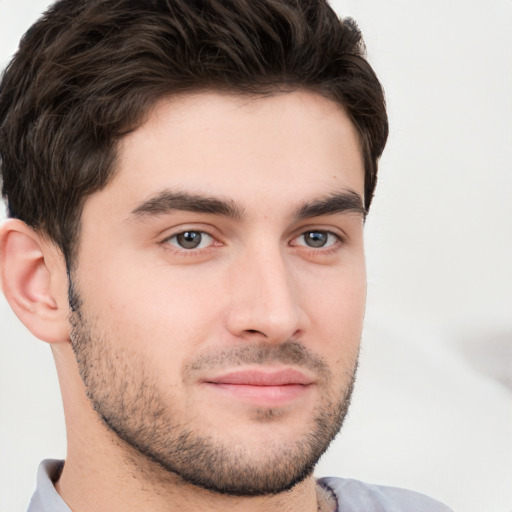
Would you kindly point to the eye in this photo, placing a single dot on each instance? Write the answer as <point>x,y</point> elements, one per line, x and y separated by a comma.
<point>317,239</point>
<point>191,240</point>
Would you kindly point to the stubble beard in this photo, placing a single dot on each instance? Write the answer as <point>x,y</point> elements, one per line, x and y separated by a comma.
<point>128,400</point>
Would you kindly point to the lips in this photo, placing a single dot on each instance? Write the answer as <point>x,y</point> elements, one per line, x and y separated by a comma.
<point>263,378</point>
<point>262,388</point>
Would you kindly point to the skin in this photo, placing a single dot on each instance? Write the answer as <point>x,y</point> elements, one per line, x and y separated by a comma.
<point>171,322</point>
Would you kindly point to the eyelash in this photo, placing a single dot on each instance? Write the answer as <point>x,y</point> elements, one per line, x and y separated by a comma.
<point>191,251</point>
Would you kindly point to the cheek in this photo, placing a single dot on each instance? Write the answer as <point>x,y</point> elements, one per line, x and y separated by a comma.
<point>338,297</point>
<point>336,312</point>
<point>160,312</point>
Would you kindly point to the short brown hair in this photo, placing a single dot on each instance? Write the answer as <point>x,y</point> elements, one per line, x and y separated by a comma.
<point>89,70</point>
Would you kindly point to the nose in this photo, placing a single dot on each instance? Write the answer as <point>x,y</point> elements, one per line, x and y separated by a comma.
<point>264,302</point>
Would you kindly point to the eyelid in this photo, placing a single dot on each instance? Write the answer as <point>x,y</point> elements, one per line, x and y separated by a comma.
<point>202,227</point>
<point>323,228</point>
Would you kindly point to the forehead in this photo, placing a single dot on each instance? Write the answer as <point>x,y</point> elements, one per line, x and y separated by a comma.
<point>266,150</point>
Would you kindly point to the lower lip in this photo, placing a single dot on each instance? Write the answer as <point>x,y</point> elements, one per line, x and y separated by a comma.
<point>269,396</point>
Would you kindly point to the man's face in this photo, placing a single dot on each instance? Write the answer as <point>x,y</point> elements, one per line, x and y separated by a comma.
<point>220,285</point>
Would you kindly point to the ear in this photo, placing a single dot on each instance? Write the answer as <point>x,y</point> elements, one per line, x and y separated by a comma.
<point>34,281</point>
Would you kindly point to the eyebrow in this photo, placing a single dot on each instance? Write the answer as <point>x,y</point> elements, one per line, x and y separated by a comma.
<point>167,201</point>
<point>346,201</point>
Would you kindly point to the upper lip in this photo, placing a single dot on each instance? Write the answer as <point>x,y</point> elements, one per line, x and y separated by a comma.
<point>252,377</point>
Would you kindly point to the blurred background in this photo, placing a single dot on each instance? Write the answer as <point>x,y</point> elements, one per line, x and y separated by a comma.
<point>433,406</point>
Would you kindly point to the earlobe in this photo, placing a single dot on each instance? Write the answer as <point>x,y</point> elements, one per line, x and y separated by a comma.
<point>33,278</point>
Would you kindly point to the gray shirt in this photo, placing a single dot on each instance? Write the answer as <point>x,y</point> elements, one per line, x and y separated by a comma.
<point>351,495</point>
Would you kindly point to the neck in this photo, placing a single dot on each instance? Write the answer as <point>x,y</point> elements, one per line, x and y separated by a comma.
<point>88,484</point>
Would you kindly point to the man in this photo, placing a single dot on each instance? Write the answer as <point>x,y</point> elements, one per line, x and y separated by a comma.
<point>187,184</point>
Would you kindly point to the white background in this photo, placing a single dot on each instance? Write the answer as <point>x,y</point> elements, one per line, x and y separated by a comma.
<point>433,407</point>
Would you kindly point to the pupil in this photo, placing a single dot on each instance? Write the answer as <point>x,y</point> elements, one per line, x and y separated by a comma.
<point>189,239</point>
<point>316,238</point>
